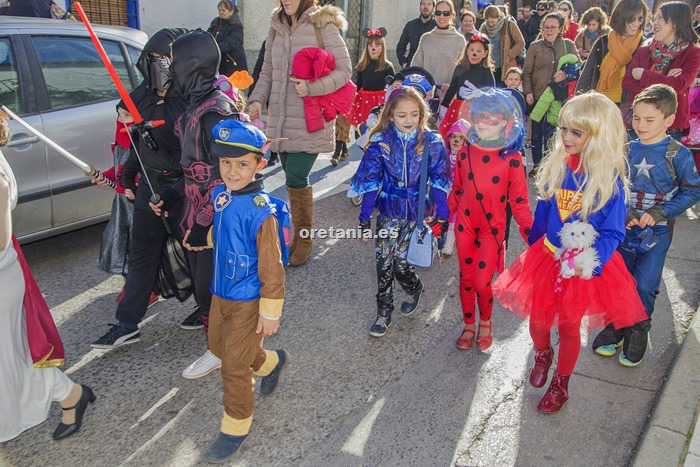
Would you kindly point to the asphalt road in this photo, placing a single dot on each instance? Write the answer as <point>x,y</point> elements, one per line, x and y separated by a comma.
<point>410,399</point>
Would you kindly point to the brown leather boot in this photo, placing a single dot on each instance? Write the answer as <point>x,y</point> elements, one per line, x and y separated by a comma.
<point>540,372</point>
<point>295,230</point>
<point>556,396</point>
<point>343,151</point>
<point>336,155</point>
<point>301,204</point>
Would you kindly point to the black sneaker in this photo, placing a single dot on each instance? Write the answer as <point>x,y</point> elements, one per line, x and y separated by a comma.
<point>410,305</point>
<point>381,324</point>
<point>270,382</point>
<point>608,340</point>
<point>117,336</point>
<point>193,321</point>
<point>635,343</point>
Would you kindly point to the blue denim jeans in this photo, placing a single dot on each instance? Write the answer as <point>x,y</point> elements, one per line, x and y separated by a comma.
<point>647,267</point>
<point>541,134</point>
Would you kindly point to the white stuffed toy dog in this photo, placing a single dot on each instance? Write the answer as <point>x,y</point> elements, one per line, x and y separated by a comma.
<point>577,249</point>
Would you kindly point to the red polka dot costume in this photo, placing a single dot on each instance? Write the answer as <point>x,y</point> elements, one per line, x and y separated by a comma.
<point>484,182</point>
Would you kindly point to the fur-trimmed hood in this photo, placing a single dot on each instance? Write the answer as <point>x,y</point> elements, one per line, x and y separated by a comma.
<point>320,16</point>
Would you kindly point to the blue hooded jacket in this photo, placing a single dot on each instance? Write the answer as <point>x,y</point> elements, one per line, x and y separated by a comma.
<point>390,172</point>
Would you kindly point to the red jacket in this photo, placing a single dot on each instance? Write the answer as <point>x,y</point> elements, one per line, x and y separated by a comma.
<point>311,63</point>
<point>688,61</point>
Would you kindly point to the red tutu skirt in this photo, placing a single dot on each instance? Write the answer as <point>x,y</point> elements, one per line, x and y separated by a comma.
<point>363,104</point>
<point>527,288</point>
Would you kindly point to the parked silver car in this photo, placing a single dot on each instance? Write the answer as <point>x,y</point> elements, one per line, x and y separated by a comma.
<point>52,77</point>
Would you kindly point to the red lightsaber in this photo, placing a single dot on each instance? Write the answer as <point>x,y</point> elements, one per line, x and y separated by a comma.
<point>139,124</point>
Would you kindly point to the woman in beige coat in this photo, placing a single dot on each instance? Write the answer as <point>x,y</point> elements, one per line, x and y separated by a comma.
<point>297,24</point>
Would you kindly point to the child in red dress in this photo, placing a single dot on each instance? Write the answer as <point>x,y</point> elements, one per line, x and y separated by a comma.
<point>584,178</point>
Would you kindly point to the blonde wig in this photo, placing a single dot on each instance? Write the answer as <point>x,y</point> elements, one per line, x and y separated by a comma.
<point>603,159</point>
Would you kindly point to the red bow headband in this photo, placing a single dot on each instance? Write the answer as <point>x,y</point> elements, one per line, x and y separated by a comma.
<point>479,38</point>
<point>372,33</point>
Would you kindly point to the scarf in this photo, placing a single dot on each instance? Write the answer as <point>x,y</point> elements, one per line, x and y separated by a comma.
<point>662,55</point>
<point>614,63</point>
<point>496,29</point>
<point>591,36</point>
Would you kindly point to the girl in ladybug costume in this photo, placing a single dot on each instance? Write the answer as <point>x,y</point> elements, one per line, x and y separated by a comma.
<point>488,175</point>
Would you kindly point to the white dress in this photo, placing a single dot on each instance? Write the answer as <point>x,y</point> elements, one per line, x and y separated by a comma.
<point>26,392</point>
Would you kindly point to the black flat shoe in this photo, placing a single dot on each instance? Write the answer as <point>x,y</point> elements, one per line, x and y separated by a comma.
<point>63,430</point>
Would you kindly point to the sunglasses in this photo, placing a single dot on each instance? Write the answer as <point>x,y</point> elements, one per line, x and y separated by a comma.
<point>541,9</point>
<point>564,9</point>
<point>443,13</point>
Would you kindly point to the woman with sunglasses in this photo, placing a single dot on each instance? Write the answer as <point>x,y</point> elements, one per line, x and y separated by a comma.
<point>566,9</point>
<point>611,54</point>
<point>541,67</point>
<point>440,49</point>
<point>506,41</point>
<point>672,58</point>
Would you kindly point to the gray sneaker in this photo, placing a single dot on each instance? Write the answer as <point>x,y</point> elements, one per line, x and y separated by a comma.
<point>380,326</point>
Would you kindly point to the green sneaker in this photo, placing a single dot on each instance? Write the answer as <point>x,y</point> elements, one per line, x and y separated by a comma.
<point>626,362</point>
<point>608,350</point>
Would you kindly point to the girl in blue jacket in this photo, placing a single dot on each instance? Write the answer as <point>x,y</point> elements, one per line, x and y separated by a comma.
<point>389,178</point>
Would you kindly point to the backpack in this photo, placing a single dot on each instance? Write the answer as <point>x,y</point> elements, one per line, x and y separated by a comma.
<point>673,147</point>
<point>284,222</point>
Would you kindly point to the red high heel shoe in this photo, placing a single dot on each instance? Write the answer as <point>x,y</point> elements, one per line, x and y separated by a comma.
<point>465,343</point>
<point>485,342</point>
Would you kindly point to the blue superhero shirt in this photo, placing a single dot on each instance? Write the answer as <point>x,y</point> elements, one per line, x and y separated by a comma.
<point>652,183</point>
<point>564,207</point>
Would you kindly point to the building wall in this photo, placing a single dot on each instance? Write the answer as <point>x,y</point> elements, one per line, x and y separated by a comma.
<point>255,14</point>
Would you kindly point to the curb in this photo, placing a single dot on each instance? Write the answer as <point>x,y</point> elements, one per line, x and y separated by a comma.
<point>668,439</point>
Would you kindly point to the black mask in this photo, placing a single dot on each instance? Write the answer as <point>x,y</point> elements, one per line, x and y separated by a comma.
<point>159,72</point>
<point>195,65</point>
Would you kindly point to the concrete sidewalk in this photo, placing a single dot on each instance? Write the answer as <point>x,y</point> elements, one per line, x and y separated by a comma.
<point>670,438</point>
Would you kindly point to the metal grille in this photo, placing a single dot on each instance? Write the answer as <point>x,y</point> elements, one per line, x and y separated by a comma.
<point>354,17</point>
<point>109,12</point>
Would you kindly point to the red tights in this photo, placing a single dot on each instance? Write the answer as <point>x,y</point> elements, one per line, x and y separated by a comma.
<point>569,344</point>
<point>478,255</point>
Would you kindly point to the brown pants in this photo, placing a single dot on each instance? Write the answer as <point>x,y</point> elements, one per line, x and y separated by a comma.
<point>233,339</point>
<point>342,129</point>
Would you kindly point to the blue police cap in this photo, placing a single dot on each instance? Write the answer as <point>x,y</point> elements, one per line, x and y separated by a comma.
<point>234,138</point>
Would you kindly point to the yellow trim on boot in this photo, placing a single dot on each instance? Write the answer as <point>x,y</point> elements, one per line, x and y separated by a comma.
<point>272,358</point>
<point>233,427</point>
<point>271,307</point>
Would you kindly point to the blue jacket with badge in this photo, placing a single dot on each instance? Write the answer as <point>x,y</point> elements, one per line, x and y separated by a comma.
<point>390,170</point>
<point>237,218</point>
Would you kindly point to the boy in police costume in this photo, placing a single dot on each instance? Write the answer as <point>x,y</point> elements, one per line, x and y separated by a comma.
<point>248,281</point>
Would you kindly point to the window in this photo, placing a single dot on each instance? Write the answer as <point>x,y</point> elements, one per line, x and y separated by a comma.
<point>9,82</point>
<point>134,54</point>
<point>74,73</point>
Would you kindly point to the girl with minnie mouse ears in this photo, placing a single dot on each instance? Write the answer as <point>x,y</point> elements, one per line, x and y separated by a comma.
<point>372,71</point>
